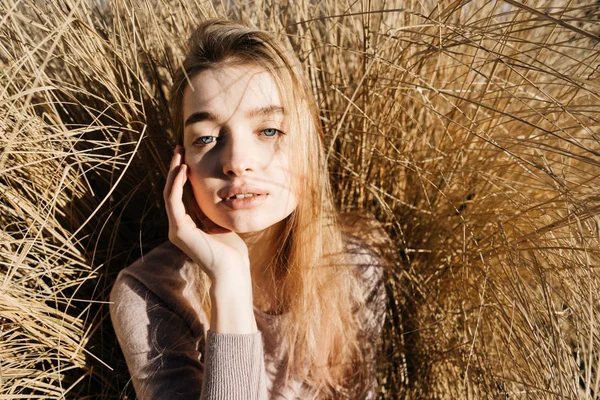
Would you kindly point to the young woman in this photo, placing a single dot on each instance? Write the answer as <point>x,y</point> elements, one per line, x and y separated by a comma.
<point>259,293</point>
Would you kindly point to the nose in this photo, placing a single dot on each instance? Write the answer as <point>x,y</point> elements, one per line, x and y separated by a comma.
<point>239,157</point>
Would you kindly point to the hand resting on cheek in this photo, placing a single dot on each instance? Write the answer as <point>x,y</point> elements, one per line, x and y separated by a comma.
<point>218,251</point>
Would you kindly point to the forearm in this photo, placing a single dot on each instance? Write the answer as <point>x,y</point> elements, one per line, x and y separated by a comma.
<point>234,366</point>
<point>232,310</point>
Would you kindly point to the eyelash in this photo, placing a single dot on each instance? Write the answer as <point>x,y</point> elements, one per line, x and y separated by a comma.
<point>200,141</point>
<point>277,132</point>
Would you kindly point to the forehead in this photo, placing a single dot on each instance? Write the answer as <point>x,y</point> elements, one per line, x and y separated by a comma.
<point>229,91</point>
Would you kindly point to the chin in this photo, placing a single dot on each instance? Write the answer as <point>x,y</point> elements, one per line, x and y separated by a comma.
<point>247,226</point>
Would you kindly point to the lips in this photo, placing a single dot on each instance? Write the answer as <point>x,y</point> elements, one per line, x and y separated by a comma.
<point>242,197</point>
<point>240,192</point>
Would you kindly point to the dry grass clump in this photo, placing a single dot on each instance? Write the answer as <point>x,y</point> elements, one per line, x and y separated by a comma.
<point>470,129</point>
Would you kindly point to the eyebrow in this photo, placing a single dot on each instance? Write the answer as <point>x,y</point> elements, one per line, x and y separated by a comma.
<point>265,111</point>
<point>256,112</point>
<point>199,117</point>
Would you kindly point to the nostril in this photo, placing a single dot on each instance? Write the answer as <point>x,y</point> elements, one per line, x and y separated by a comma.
<point>236,169</point>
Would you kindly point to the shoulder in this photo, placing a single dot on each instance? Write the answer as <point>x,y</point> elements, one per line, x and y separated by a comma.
<point>158,272</point>
<point>161,264</point>
<point>367,249</point>
<point>366,243</point>
<point>164,277</point>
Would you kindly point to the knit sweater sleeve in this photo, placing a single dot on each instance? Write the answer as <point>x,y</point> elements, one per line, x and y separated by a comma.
<point>169,360</point>
<point>234,367</point>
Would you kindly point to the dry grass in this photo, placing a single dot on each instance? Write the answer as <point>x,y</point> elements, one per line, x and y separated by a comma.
<point>471,129</point>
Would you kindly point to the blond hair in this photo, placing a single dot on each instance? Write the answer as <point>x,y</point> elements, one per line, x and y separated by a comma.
<point>317,290</point>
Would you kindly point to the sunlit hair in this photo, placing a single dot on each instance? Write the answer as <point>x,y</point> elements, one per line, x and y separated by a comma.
<point>317,290</point>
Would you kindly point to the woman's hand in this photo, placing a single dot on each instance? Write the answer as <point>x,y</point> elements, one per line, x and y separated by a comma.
<point>223,256</point>
<point>218,254</point>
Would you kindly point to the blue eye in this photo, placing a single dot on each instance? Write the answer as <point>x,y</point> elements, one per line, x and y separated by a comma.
<point>205,140</point>
<point>270,132</point>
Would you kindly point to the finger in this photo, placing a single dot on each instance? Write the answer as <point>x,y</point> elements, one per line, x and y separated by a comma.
<point>176,162</point>
<point>174,201</point>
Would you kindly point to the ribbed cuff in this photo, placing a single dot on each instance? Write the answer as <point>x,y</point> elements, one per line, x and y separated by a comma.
<point>233,367</point>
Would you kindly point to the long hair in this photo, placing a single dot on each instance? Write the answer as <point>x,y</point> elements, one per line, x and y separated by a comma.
<point>316,289</point>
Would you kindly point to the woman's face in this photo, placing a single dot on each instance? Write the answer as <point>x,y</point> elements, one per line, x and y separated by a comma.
<point>237,148</point>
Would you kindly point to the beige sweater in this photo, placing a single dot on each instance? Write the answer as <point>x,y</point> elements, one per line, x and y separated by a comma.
<point>161,328</point>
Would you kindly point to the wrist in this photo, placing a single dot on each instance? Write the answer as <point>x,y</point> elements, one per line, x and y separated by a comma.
<point>232,309</point>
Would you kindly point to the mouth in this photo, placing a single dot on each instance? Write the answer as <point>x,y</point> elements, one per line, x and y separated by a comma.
<point>238,192</point>
<point>242,196</point>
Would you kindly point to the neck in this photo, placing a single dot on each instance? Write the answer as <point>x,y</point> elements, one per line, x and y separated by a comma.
<point>262,246</point>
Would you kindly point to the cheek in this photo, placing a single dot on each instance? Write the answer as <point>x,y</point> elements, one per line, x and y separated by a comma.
<point>293,183</point>
<point>291,192</point>
<point>200,187</point>
<point>200,167</point>
<point>291,175</point>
